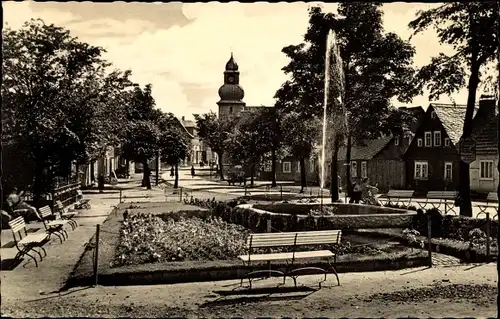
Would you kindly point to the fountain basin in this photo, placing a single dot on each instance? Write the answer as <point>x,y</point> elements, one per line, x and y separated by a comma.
<point>294,217</point>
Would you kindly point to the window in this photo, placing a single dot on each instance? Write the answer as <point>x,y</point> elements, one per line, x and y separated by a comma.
<point>428,139</point>
<point>433,115</point>
<point>364,170</point>
<point>486,170</point>
<point>354,169</point>
<point>448,171</point>
<point>287,167</point>
<point>446,141</point>
<point>396,140</point>
<point>419,142</point>
<point>437,138</point>
<point>421,170</point>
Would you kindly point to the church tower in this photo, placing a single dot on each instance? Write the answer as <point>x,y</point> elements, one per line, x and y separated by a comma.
<point>231,94</point>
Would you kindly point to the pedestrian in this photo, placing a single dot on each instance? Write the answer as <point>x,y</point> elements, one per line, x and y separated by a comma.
<point>100,183</point>
<point>192,171</point>
<point>172,172</point>
<point>356,193</point>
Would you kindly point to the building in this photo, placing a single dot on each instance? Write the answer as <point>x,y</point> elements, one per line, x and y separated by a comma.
<point>381,160</point>
<point>433,159</point>
<point>483,171</point>
<point>199,151</point>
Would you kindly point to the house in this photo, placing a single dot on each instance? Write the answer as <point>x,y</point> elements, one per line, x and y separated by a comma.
<point>199,151</point>
<point>381,159</point>
<point>288,169</point>
<point>433,159</point>
<point>483,171</point>
<point>368,159</point>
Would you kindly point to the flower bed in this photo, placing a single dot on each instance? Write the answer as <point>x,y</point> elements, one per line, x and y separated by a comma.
<point>149,238</point>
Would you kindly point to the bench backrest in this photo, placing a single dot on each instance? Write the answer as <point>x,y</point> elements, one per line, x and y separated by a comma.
<point>492,197</point>
<point>294,238</point>
<point>442,194</point>
<point>400,193</point>
<point>17,224</point>
<point>45,212</point>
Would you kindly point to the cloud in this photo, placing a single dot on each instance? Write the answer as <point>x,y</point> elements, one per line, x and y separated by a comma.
<point>182,48</point>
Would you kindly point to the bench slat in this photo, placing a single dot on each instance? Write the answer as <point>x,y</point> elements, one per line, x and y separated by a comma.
<point>442,194</point>
<point>45,211</point>
<point>17,224</point>
<point>283,256</point>
<point>400,193</point>
<point>292,238</point>
<point>284,234</point>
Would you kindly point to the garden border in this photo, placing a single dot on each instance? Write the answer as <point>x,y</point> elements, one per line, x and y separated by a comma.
<point>197,271</point>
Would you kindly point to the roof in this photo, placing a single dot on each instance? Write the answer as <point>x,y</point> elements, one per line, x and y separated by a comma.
<point>188,123</point>
<point>452,118</point>
<point>366,151</point>
<point>184,129</point>
<point>487,138</point>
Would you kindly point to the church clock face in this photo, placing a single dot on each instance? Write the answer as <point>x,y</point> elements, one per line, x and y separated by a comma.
<point>230,79</point>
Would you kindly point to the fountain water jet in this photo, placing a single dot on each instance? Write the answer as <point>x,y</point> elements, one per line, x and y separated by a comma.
<point>334,75</point>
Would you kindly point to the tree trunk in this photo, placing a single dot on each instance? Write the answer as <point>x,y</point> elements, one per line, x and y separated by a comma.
<point>158,164</point>
<point>220,167</point>
<point>38,184</point>
<point>252,173</point>
<point>464,173</point>
<point>146,177</point>
<point>348,166</point>
<point>303,180</point>
<point>273,168</point>
<point>334,187</point>
<point>176,171</point>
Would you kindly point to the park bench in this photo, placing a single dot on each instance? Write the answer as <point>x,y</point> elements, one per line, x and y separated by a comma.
<point>491,202</point>
<point>66,214</point>
<point>55,227</point>
<point>28,243</point>
<point>294,240</point>
<point>446,198</point>
<point>81,203</point>
<point>394,196</point>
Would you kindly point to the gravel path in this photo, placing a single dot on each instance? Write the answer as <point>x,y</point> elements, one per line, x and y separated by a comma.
<point>459,291</point>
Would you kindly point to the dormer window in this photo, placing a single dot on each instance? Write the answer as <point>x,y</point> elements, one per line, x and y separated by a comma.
<point>396,141</point>
<point>433,115</point>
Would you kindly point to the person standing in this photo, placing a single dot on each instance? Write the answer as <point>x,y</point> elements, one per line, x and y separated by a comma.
<point>192,171</point>
<point>172,172</point>
<point>100,183</point>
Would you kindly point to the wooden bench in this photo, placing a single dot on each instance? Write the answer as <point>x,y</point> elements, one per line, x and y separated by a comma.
<point>447,198</point>
<point>55,227</point>
<point>81,203</point>
<point>290,239</point>
<point>491,202</point>
<point>29,242</point>
<point>397,195</point>
<point>66,215</point>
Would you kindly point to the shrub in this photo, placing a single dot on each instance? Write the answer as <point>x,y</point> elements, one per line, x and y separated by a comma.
<point>410,235</point>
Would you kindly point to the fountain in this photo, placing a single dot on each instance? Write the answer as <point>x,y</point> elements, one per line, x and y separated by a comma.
<point>334,78</point>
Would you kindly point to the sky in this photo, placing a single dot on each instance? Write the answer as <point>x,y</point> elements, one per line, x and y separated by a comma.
<point>182,49</point>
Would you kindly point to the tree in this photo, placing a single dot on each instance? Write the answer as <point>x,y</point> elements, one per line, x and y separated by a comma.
<point>472,29</point>
<point>300,139</point>
<point>45,69</point>
<point>246,145</point>
<point>140,141</point>
<point>214,132</point>
<point>376,66</point>
<point>173,145</point>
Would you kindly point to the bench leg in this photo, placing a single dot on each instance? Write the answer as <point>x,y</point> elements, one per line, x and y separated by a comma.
<point>34,259</point>
<point>55,233</point>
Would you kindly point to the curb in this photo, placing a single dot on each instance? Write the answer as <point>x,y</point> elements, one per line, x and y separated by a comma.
<point>229,271</point>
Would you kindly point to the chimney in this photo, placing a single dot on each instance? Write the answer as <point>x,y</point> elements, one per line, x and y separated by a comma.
<point>487,106</point>
<point>183,119</point>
